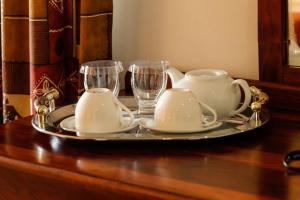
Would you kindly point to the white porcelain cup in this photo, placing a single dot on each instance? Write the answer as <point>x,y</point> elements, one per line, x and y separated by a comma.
<point>98,110</point>
<point>179,110</point>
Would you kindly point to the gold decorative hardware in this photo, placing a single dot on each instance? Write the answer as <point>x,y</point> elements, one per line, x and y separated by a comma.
<point>45,104</point>
<point>259,98</point>
<point>41,111</point>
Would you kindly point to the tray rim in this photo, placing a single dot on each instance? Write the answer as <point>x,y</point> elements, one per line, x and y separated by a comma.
<point>154,136</point>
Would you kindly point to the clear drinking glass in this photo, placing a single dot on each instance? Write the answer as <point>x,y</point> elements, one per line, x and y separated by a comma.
<point>102,74</point>
<point>148,82</point>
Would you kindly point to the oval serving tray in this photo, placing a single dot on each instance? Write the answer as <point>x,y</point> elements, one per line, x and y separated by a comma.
<point>141,134</point>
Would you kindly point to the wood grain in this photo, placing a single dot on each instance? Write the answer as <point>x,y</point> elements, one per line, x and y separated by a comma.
<point>283,86</point>
<point>272,39</point>
<point>281,96</point>
<point>247,166</point>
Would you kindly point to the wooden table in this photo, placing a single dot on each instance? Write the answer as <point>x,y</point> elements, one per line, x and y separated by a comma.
<point>247,166</point>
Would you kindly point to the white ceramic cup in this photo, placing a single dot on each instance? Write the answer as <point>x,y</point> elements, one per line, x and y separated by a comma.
<point>98,110</point>
<point>179,110</point>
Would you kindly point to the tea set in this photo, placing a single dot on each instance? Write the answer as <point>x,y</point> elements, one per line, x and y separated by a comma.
<point>198,101</point>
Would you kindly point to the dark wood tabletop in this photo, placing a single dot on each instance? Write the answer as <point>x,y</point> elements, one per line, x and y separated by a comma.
<point>246,166</point>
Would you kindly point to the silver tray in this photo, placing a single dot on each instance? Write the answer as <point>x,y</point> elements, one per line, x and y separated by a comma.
<point>53,119</point>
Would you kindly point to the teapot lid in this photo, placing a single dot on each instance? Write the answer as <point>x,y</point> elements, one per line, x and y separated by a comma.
<point>207,73</point>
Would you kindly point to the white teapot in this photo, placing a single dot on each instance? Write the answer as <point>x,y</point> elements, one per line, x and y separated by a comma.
<point>215,88</point>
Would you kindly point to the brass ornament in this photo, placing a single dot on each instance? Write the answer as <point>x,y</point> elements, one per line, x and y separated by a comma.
<point>44,105</point>
<point>259,98</point>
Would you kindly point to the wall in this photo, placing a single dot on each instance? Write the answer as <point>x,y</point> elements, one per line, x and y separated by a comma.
<point>190,34</point>
<point>294,32</point>
<point>294,5</point>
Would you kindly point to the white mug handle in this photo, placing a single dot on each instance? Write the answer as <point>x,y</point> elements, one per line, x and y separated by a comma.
<point>210,109</point>
<point>123,107</point>
<point>244,85</point>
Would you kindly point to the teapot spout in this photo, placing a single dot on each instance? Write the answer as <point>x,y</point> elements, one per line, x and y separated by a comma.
<point>175,75</point>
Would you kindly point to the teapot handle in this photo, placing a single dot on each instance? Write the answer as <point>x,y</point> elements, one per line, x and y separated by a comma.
<point>123,107</point>
<point>210,109</point>
<point>244,85</point>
